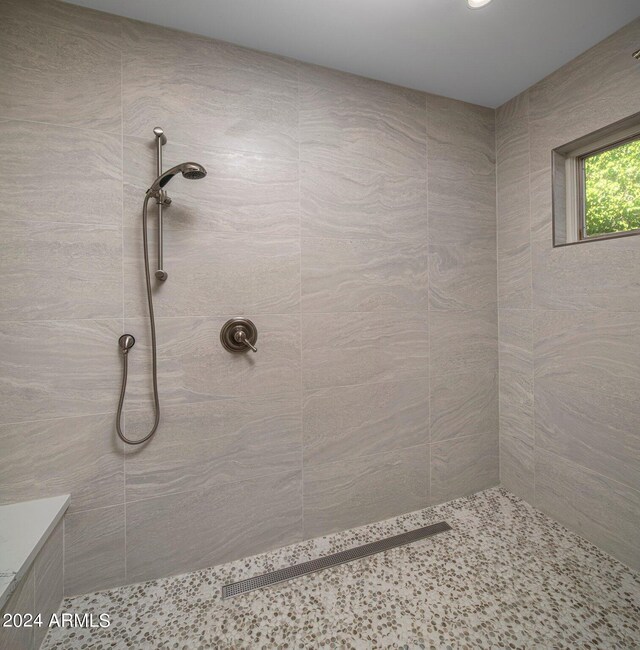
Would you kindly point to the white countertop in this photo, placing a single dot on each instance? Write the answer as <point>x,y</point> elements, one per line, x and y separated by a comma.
<point>24,528</point>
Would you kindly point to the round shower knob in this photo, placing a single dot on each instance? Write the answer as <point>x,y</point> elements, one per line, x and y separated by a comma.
<point>239,335</point>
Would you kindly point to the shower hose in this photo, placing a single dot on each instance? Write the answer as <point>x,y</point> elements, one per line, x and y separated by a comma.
<point>154,355</point>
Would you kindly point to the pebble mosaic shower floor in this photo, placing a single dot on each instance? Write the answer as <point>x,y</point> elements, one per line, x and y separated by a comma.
<point>506,576</point>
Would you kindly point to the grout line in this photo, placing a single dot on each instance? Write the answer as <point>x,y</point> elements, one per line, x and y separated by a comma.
<point>123,266</point>
<point>301,342</point>
<point>429,309</point>
<point>530,315</point>
<point>495,147</point>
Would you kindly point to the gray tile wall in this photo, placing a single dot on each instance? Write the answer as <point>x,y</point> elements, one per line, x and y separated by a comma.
<point>569,318</point>
<point>353,221</point>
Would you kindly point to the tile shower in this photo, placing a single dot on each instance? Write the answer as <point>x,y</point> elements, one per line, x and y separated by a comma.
<point>420,340</point>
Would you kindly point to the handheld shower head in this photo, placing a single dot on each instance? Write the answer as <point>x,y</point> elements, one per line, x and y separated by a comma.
<point>190,170</point>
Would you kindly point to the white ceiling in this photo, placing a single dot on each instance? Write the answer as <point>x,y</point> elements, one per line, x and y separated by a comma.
<point>484,56</point>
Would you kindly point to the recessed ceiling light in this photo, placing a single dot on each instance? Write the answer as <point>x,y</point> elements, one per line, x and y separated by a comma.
<point>476,4</point>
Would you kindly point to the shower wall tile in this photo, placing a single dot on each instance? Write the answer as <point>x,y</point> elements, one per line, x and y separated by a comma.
<point>517,472</point>
<point>463,276</point>
<point>357,491</point>
<point>596,351</point>
<point>463,340</point>
<point>465,465</point>
<point>355,203</point>
<point>81,278</point>
<point>60,66</point>
<point>512,144</point>
<point>58,368</point>
<point>330,83</point>
<point>337,213</point>
<point>249,193</point>
<point>197,529</point>
<point>594,90</point>
<point>212,443</point>
<point>463,404</point>
<point>354,421</point>
<point>516,374</point>
<point>597,507</point>
<point>54,174</point>
<point>194,366</point>
<point>599,432</point>
<point>514,274</point>
<point>461,151</point>
<point>343,127</point>
<point>94,550</point>
<point>208,93</point>
<point>363,275</point>
<point>569,315</point>
<point>513,203</point>
<point>215,273</point>
<point>356,348</point>
<point>583,277</point>
<point>78,456</point>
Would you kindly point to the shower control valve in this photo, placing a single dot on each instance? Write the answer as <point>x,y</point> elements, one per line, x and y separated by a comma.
<point>239,335</point>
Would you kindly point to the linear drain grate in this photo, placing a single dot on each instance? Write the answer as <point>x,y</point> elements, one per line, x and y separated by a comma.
<point>288,573</point>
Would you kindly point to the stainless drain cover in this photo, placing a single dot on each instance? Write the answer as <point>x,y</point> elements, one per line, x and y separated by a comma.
<point>328,561</point>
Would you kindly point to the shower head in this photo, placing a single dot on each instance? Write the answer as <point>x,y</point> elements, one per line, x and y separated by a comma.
<point>190,170</point>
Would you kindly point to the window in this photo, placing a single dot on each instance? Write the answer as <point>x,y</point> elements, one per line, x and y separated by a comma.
<point>596,185</point>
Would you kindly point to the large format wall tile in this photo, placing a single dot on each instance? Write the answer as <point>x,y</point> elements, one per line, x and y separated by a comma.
<point>203,445</point>
<point>593,350</point>
<point>363,275</point>
<point>60,271</point>
<point>512,143</point>
<point>376,94</point>
<point>461,151</point>
<point>584,277</point>
<point>353,421</point>
<point>568,315</point>
<point>193,530</point>
<point>600,508</point>
<point>344,349</point>
<point>597,431</point>
<point>516,373</point>
<point>594,90</point>
<point>462,466</point>
<point>58,368</point>
<point>207,93</point>
<point>48,173</point>
<point>517,466</point>
<point>463,404</point>
<point>214,273</point>
<point>463,276</point>
<point>80,456</point>
<point>361,204</point>
<point>60,65</point>
<point>194,367</point>
<point>463,341</point>
<point>94,550</point>
<point>357,491</point>
<point>242,192</point>
<point>342,128</point>
<point>315,206</point>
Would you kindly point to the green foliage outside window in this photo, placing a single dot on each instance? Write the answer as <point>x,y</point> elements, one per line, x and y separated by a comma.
<point>612,190</point>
